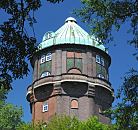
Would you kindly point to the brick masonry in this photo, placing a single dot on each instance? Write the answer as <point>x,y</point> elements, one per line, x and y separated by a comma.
<point>61,87</point>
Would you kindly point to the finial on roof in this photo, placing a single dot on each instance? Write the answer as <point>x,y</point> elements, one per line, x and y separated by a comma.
<point>71,19</point>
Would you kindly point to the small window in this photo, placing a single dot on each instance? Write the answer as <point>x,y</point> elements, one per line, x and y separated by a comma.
<point>45,107</point>
<point>98,59</point>
<point>100,76</point>
<point>43,59</point>
<point>48,57</point>
<point>74,104</point>
<point>45,74</point>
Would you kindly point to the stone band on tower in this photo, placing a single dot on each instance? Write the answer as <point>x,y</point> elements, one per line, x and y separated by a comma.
<point>70,75</point>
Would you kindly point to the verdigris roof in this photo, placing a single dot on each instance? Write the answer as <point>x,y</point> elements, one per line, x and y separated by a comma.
<point>69,33</point>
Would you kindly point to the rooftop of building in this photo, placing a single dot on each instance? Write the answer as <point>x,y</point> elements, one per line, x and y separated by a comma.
<point>70,33</point>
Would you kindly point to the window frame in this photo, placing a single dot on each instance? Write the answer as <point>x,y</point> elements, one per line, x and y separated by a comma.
<point>100,76</point>
<point>100,60</point>
<point>76,101</point>
<point>45,107</point>
<point>42,58</point>
<point>48,57</point>
<point>45,75</point>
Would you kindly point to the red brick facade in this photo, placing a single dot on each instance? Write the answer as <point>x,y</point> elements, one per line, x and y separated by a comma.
<point>80,83</point>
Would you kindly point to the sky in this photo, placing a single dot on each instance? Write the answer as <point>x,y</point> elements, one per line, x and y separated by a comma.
<point>50,17</point>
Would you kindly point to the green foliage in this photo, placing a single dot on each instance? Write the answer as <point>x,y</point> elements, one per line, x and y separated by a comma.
<point>16,45</point>
<point>126,112</point>
<point>64,122</point>
<point>30,126</point>
<point>10,116</point>
<point>25,126</point>
<point>105,15</point>
<point>68,123</point>
<point>3,96</point>
<point>93,124</point>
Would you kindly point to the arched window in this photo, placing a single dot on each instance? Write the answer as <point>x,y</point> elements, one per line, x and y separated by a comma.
<point>43,59</point>
<point>45,74</point>
<point>48,57</point>
<point>100,76</point>
<point>74,104</point>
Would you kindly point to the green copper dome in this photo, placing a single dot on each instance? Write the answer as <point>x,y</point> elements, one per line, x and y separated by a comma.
<point>69,33</point>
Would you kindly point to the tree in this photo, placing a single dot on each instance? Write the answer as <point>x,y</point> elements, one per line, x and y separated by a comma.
<point>105,15</point>
<point>126,112</point>
<point>63,122</point>
<point>30,126</point>
<point>16,44</point>
<point>10,115</point>
<point>93,124</point>
<point>72,123</point>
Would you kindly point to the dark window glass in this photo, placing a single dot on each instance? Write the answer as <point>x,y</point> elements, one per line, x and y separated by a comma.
<point>101,72</point>
<point>78,63</point>
<point>98,59</point>
<point>70,63</point>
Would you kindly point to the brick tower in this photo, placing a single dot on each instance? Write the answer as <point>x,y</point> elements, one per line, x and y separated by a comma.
<point>70,75</point>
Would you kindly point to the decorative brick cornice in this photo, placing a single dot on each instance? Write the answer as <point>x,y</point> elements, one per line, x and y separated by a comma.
<point>57,88</point>
<point>91,90</point>
<point>58,79</point>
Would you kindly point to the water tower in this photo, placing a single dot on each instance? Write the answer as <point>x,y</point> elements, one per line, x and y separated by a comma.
<point>70,75</point>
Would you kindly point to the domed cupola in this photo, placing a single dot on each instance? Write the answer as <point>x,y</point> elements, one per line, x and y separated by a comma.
<point>69,33</point>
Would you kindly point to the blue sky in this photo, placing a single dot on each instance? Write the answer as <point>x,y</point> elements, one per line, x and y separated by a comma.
<point>50,17</point>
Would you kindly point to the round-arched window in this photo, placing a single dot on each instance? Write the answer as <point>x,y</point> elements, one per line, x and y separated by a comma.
<point>74,104</point>
<point>45,74</point>
<point>100,76</point>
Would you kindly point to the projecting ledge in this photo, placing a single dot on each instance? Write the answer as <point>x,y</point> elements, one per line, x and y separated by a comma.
<point>72,78</point>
